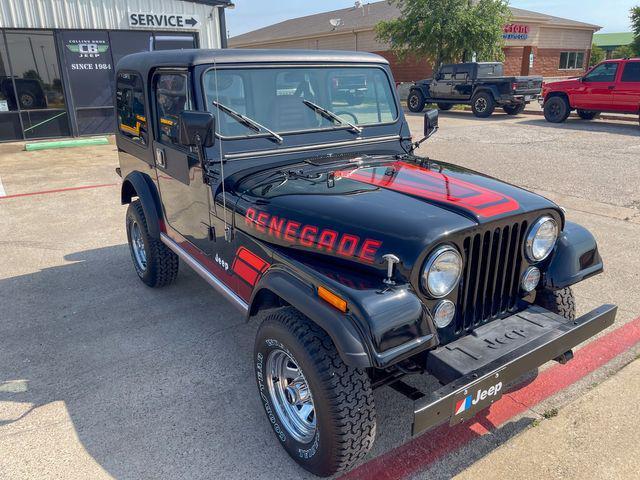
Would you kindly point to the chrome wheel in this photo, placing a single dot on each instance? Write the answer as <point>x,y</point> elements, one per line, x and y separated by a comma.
<point>413,101</point>
<point>137,246</point>
<point>291,395</point>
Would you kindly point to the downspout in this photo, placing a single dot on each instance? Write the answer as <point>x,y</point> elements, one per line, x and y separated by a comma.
<point>223,27</point>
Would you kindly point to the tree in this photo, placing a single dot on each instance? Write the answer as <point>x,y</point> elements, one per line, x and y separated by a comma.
<point>635,27</point>
<point>447,30</point>
<point>623,51</point>
<point>597,55</point>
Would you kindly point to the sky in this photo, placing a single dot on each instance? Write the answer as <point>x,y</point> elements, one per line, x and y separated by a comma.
<point>250,15</point>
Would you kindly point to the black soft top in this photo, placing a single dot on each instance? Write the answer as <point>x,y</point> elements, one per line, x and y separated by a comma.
<point>145,61</point>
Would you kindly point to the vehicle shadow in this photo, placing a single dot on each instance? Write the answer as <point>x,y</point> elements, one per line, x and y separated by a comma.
<point>497,116</point>
<point>150,383</point>
<point>603,126</point>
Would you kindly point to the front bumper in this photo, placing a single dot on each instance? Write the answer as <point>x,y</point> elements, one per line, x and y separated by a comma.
<point>476,367</point>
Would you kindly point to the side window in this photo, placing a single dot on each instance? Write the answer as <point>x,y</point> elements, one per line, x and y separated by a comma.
<point>605,72</point>
<point>172,98</point>
<point>130,105</point>
<point>446,73</point>
<point>631,72</point>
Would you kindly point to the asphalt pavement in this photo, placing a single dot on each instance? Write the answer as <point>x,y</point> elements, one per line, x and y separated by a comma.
<point>103,377</point>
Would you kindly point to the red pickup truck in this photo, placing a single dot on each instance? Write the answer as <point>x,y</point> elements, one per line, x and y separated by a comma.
<point>610,86</point>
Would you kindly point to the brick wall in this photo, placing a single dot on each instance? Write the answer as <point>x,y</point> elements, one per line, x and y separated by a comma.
<point>513,60</point>
<point>548,60</point>
<point>409,70</point>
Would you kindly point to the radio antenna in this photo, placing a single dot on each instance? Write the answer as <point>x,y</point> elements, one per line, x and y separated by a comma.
<point>227,228</point>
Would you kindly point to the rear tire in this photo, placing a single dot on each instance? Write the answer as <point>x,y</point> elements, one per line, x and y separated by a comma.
<point>341,427</point>
<point>587,114</point>
<point>415,101</point>
<point>556,110</point>
<point>155,264</point>
<point>483,105</point>
<point>445,106</point>
<point>561,302</point>
<point>514,109</point>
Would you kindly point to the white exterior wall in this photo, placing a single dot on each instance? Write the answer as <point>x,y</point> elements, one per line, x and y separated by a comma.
<point>104,15</point>
<point>565,38</point>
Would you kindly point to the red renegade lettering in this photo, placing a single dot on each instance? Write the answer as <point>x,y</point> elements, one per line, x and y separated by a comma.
<point>311,236</point>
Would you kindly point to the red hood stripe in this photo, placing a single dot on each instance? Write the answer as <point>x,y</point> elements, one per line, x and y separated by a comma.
<point>422,182</point>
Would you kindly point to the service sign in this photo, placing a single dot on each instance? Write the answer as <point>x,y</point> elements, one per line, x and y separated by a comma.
<point>515,31</point>
<point>170,21</point>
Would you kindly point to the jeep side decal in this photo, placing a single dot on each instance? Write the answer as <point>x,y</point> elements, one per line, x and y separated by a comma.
<point>311,236</point>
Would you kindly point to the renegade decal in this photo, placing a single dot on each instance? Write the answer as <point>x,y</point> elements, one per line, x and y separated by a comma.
<point>311,236</point>
<point>421,182</point>
<point>249,266</point>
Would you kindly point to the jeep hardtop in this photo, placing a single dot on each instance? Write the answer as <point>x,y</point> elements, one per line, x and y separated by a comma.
<point>289,181</point>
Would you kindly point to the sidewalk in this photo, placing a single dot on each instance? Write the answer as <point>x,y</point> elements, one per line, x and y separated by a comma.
<point>594,437</point>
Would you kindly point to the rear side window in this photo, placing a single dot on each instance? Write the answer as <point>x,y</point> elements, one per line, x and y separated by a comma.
<point>631,72</point>
<point>172,98</point>
<point>130,105</point>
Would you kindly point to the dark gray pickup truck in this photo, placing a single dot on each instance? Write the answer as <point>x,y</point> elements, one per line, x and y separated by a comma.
<point>479,84</point>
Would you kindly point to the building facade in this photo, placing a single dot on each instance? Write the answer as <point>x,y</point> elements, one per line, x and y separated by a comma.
<point>57,57</point>
<point>535,43</point>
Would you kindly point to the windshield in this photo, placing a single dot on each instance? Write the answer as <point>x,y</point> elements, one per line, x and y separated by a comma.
<point>286,100</point>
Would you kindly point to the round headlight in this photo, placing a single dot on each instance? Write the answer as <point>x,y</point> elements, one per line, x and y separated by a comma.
<point>444,313</point>
<point>442,272</point>
<point>530,279</point>
<point>541,239</point>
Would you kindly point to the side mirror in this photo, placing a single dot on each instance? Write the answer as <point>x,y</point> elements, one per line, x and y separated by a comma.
<point>430,122</point>
<point>196,129</point>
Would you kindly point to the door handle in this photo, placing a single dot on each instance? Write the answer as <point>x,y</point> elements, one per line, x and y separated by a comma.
<point>611,87</point>
<point>160,159</point>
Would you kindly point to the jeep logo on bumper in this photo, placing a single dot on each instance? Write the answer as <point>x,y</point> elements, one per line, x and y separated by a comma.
<point>474,399</point>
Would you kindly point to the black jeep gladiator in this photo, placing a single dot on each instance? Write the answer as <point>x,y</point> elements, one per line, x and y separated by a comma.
<point>364,262</point>
<point>480,84</point>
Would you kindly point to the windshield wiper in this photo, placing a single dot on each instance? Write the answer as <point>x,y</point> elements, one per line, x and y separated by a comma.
<point>247,122</point>
<point>331,116</point>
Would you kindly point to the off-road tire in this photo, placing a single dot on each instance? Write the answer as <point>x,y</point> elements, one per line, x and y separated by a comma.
<point>514,109</point>
<point>415,101</point>
<point>483,105</point>
<point>445,106</point>
<point>560,301</point>
<point>342,395</point>
<point>587,114</point>
<point>556,109</point>
<point>162,263</point>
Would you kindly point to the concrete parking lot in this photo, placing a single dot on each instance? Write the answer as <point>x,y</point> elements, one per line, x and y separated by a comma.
<point>102,377</point>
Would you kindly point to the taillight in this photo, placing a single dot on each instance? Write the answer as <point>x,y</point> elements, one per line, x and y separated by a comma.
<point>514,86</point>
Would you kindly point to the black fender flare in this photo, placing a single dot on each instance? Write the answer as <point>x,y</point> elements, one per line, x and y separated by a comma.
<point>136,184</point>
<point>576,258</point>
<point>490,89</point>
<point>339,327</point>
<point>422,88</point>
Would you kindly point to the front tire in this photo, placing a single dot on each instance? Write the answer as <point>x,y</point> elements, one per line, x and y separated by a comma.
<point>483,105</point>
<point>556,110</point>
<point>415,101</point>
<point>321,410</point>
<point>514,109</point>
<point>561,302</point>
<point>587,114</point>
<point>155,264</point>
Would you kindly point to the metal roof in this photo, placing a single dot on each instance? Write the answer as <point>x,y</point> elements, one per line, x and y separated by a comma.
<point>613,39</point>
<point>145,61</point>
<point>366,18</point>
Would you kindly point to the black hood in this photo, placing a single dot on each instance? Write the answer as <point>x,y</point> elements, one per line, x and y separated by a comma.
<point>362,209</point>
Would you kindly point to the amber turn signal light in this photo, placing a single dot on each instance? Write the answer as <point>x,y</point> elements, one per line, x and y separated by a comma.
<point>332,299</point>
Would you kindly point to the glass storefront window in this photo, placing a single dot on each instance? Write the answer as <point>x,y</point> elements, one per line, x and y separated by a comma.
<point>37,83</point>
<point>10,128</point>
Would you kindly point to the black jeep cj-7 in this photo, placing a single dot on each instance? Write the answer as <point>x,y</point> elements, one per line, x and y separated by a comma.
<point>365,262</point>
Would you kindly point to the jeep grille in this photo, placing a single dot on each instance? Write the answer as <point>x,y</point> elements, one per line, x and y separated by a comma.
<point>491,277</point>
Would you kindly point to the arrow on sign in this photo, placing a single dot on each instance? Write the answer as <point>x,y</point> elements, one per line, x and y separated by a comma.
<point>191,21</point>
